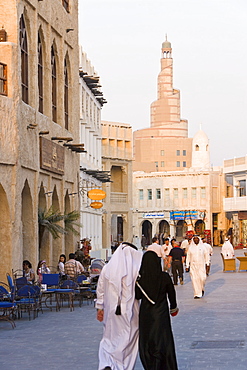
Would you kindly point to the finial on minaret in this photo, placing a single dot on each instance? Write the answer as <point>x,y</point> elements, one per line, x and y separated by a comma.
<point>166,36</point>
<point>200,126</point>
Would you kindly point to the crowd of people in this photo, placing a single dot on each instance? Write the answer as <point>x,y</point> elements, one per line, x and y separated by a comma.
<point>149,277</point>
<point>78,263</point>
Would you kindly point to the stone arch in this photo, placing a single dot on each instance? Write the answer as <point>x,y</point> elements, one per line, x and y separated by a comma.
<point>56,243</point>
<point>181,229</point>
<point>5,236</point>
<point>117,228</point>
<point>43,250</point>
<point>42,198</point>
<point>147,231</point>
<point>29,247</point>
<point>197,148</point>
<point>164,228</point>
<point>68,238</point>
<point>199,227</point>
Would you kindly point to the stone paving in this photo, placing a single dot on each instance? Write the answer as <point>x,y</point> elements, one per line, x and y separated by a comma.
<point>205,330</point>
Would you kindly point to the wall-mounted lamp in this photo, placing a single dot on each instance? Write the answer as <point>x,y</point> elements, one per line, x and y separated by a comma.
<point>73,194</point>
<point>69,29</point>
<point>48,193</point>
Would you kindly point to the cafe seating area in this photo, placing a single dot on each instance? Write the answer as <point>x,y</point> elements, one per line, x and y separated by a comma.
<point>21,300</point>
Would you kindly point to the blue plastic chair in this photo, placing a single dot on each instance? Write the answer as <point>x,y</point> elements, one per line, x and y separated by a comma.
<point>10,281</point>
<point>7,304</point>
<point>52,281</point>
<point>20,282</point>
<point>81,278</point>
<point>28,298</point>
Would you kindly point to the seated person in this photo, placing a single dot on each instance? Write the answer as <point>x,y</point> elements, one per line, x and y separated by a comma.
<point>72,268</point>
<point>42,269</point>
<point>28,272</point>
<point>61,263</point>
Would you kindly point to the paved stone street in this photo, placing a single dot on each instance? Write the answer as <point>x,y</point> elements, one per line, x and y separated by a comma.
<point>206,331</point>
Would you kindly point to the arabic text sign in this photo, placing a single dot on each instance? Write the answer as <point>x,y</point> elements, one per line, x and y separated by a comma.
<point>184,215</point>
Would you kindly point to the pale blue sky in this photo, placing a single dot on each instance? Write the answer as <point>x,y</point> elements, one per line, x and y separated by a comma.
<point>123,38</point>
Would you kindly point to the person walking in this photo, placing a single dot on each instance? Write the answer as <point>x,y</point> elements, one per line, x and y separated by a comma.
<point>167,247</point>
<point>118,309</point>
<point>196,260</point>
<point>153,287</point>
<point>176,259</point>
<point>157,248</point>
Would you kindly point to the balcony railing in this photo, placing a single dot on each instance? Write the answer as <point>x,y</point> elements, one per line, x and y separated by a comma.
<point>113,152</point>
<point>235,204</point>
<point>119,198</point>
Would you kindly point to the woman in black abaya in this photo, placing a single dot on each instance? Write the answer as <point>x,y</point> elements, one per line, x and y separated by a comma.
<point>153,287</point>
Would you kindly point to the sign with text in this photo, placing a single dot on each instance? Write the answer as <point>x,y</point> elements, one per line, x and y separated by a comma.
<point>153,215</point>
<point>51,156</point>
<point>184,215</point>
<point>96,194</point>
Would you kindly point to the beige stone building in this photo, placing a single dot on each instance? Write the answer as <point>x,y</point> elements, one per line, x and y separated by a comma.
<point>165,145</point>
<point>117,159</point>
<point>235,201</point>
<point>39,90</point>
<point>174,202</point>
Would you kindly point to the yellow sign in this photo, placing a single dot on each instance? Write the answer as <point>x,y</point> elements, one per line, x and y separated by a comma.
<point>96,205</point>
<point>96,194</point>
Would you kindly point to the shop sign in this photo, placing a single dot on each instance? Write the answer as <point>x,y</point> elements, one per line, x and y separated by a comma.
<point>96,194</point>
<point>153,215</point>
<point>183,215</point>
<point>51,156</point>
<point>96,205</point>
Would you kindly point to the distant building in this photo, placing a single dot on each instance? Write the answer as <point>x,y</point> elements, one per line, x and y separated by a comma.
<point>39,113</point>
<point>235,202</point>
<point>175,188</point>
<point>165,145</point>
<point>171,203</point>
<point>117,159</point>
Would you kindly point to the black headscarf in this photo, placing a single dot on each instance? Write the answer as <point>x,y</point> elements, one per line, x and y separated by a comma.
<point>150,275</point>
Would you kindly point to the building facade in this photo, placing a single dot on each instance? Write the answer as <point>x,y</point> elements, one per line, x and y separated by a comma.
<point>169,148</point>
<point>39,113</point>
<point>91,174</point>
<point>173,202</point>
<point>235,201</point>
<point>117,159</point>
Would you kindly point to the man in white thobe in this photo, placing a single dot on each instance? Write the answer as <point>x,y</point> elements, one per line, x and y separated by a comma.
<point>227,249</point>
<point>197,259</point>
<point>118,309</point>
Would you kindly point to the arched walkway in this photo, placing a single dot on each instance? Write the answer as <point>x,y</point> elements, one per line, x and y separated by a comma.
<point>116,228</point>
<point>199,227</point>
<point>68,238</point>
<point>44,244</point>
<point>5,236</point>
<point>181,229</point>
<point>147,231</point>
<point>164,231</point>
<point>29,241</point>
<point>57,243</point>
